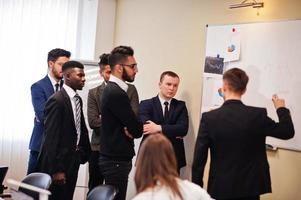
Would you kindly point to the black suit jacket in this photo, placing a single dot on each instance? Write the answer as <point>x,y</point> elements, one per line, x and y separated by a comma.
<point>236,134</point>
<point>117,113</point>
<point>59,147</point>
<point>176,126</point>
<point>94,102</point>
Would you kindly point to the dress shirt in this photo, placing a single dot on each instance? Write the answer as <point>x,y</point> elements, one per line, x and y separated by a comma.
<point>53,82</point>
<point>162,103</point>
<point>119,82</point>
<point>71,93</point>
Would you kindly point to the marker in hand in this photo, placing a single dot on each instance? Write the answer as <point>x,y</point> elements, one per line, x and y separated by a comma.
<point>220,92</point>
<point>278,103</point>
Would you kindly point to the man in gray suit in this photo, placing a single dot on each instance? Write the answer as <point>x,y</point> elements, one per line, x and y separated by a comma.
<point>94,118</point>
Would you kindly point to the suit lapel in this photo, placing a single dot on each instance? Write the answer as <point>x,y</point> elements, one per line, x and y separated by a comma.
<point>48,87</point>
<point>172,108</point>
<point>158,107</point>
<point>68,104</point>
<point>97,94</point>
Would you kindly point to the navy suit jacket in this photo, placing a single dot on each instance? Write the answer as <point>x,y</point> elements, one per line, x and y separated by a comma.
<point>40,93</point>
<point>176,126</point>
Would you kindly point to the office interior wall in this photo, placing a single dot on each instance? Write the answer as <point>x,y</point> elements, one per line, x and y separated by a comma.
<point>170,35</point>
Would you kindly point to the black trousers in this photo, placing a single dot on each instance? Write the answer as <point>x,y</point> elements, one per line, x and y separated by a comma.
<point>116,173</point>
<point>257,197</point>
<point>65,191</point>
<point>95,176</point>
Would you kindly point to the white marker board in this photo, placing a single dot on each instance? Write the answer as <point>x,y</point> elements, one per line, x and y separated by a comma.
<point>270,53</point>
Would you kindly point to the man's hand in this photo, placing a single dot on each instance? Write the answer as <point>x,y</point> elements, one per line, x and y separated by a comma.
<point>59,178</point>
<point>278,103</point>
<point>127,133</point>
<point>151,128</point>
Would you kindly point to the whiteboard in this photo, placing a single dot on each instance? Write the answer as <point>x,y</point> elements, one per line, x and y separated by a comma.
<point>270,53</point>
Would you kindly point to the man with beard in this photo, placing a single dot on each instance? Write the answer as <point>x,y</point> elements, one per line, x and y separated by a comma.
<point>95,119</point>
<point>66,142</point>
<point>119,122</point>
<point>40,92</point>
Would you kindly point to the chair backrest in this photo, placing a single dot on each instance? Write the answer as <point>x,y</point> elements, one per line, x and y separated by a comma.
<point>40,180</point>
<point>102,192</point>
<point>3,171</point>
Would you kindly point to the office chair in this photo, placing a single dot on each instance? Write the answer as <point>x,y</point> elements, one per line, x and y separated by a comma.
<point>3,171</point>
<point>40,180</point>
<point>102,192</point>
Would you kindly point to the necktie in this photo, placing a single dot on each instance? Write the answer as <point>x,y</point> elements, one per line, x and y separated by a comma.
<point>166,110</point>
<point>57,85</point>
<point>77,115</point>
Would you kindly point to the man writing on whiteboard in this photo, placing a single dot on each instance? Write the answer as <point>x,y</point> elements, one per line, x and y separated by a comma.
<point>235,134</point>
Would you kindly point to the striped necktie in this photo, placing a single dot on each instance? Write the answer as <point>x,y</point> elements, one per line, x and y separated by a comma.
<point>76,99</point>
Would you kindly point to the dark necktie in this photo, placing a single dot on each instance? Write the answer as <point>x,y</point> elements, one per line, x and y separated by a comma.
<point>166,110</point>
<point>57,85</point>
<point>77,115</point>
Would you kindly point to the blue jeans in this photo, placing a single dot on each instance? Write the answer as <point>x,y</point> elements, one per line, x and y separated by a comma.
<point>115,173</point>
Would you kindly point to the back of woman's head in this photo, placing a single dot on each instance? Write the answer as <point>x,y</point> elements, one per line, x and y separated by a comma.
<point>156,163</point>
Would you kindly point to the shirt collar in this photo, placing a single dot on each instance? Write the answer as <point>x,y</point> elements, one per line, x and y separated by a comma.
<point>163,100</point>
<point>119,82</point>
<point>71,93</point>
<point>52,80</point>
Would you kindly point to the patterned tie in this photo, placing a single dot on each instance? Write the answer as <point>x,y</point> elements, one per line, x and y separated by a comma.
<point>166,110</point>
<point>76,99</point>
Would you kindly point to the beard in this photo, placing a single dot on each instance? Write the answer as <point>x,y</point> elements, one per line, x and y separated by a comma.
<point>126,77</point>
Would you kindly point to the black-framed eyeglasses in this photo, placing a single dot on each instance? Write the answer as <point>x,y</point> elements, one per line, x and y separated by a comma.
<point>132,66</point>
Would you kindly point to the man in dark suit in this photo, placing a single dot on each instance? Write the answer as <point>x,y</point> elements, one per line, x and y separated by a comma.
<point>236,134</point>
<point>66,142</point>
<point>40,92</point>
<point>119,122</point>
<point>166,114</point>
<point>94,118</point>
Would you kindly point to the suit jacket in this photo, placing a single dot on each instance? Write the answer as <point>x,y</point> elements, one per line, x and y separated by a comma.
<point>236,134</point>
<point>94,102</point>
<point>176,126</point>
<point>59,151</point>
<point>40,92</point>
<point>117,113</point>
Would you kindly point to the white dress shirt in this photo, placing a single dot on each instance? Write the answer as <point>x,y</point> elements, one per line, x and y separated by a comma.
<point>119,82</point>
<point>71,93</point>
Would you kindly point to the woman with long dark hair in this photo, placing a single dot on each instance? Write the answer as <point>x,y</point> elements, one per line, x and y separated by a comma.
<point>156,173</point>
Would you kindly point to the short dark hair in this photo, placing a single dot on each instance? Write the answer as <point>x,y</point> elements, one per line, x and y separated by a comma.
<point>72,64</point>
<point>237,79</point>
<point>54,54</point>
<point>119,55</point>
<point>168,73</point>
<point>103,61</point>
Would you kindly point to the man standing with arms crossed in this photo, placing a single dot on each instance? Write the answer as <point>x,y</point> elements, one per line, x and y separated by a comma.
<point>94,118</point>
<point>119,122</point>
<point>40,92</point>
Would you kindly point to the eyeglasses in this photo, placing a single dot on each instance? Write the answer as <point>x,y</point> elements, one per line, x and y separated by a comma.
<point>132,66</point>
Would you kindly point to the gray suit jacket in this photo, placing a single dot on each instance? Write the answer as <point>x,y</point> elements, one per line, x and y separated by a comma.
<point>94,113</point>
